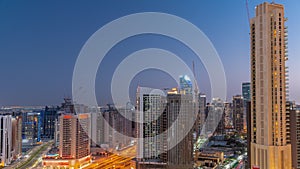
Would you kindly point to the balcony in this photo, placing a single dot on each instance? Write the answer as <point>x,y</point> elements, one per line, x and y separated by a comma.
<point>286,38</point>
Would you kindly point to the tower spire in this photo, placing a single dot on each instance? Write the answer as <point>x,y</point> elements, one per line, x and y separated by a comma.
<point>195,80</point>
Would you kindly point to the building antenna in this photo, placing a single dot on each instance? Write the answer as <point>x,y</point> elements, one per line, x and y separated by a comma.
<point>194,69</point>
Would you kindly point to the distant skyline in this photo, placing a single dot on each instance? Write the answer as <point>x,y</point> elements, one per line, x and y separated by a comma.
<point>40,41</point>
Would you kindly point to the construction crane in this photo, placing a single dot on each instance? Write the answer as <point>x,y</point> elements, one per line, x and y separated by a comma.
<point>248,13</point>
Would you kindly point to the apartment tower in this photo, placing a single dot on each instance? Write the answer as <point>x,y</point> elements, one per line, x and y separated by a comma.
<point>151,147</point>
<point>238,113</point>
<point>180,110</point>
<point>269,144</point>
<point>5,140</point>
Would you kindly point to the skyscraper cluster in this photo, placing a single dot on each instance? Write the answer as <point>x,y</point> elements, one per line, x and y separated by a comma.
<point>179,128</point>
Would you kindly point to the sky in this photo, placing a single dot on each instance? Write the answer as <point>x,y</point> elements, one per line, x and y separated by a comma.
<point>41,40</point>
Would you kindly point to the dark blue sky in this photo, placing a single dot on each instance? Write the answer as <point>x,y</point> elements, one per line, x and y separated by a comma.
<point>40,41</point>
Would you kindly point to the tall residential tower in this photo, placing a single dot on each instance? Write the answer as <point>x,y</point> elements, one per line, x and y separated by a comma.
<point>269,147</point>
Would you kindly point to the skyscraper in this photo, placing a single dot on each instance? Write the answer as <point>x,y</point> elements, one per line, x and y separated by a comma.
<point>221,126</point>
<point>31,129</point>
<point>186,86</point>
<point>118,129</point>
<point>269,147</point>
<point>97,129</point>
<point>202,107</point>
<point>228,115</point>
<point>214,117</point>
<point>238,113</point>
<point>74,141</point>
<point>16,136</point>
<point>289,107</point>
<point>295,135</point>
<point>181,155</point>
<point>164,146</point>
<point>5,140</point>
<point>151,145</point>
<point>246,91</point>
<point>48,122</point>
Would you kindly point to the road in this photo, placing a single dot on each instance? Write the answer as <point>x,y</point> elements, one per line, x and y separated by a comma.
<point>123,159</point>
<point>24,158</point>
<point>32,157</point>
<point>37,162</point>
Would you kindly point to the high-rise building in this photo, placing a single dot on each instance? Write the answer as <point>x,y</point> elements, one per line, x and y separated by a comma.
<point>49,116</point>
<point>151,145</point>
<point>74,140</point>
<point>215,115</point>
<point>31,129</point>
<point>5,140</point>
<point>249,132</point>
<point>56,130</point>
<point>118,129</point>
<point>246,90</point>
<point>228,115</point>
<point>288,108</point>
<point>202,107</point>
<point>221,126</point>
<point>16,136</point>
<point>238,113</point>
<point>97,129</point>
<point>269,147</point>
<point>295,135</point>
<point>181,155</point>
<point>162,146</point>
<point>246,93</point>
<point>126,128</point>
<point>186,86</point>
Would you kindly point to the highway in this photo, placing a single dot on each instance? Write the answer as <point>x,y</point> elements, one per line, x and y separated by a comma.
<point>122,159</point>
<point>32,156</point>
<point>37,162</point>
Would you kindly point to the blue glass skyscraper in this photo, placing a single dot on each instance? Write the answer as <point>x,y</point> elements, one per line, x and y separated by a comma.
<point>186,86</point>
<point>246,91</point>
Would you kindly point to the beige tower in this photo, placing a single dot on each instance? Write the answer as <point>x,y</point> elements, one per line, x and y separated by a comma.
<point>269,147</point>
<point>74,141</point>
